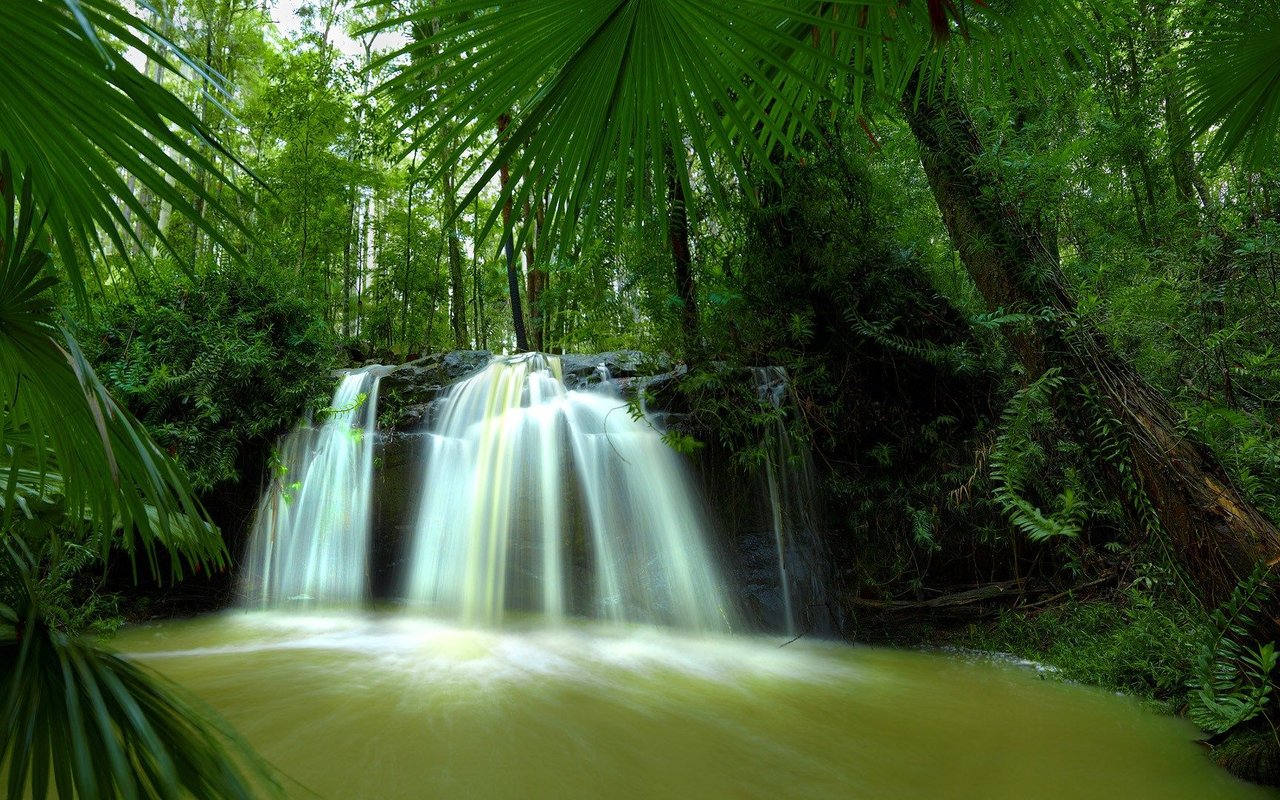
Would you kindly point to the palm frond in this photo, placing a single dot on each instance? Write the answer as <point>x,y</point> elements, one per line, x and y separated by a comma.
<point>74,112</point>
<point>78,720</point>
<point>598,92</point>
<point>977,45</point>
<point>1231,66</point>
<point>61,433</point>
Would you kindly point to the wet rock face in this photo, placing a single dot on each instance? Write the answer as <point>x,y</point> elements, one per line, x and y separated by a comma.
<point>407,390</point>
<point>581,371</point>
<point>739,504</point>
<point>397,478</point>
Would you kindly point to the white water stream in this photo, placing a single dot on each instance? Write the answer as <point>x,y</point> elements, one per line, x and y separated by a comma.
<point>310,541</point>
<point>537,499</point>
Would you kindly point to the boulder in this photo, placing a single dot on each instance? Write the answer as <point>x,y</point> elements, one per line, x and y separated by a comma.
<point>407,390</point>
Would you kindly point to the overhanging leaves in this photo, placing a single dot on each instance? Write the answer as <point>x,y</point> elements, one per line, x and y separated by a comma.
<point>61,433</point>
<point>598,91</point>
<point>74,113</point>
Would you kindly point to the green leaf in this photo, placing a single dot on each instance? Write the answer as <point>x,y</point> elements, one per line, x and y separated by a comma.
<point>77,117</point>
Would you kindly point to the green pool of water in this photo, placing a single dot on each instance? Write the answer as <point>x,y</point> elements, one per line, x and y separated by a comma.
<point>383,706</point>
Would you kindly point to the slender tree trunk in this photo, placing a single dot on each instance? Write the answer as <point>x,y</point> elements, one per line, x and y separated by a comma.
<point>678,242</point>
<point>1187,181</point>
<point>346,262</point>
<point>509,246</point>
<point>458,294</point>
<point>477,303</point>
<point>1212,531</point>
<point>162,219</point>
<point>536,283</point>
<point>435,303</point>
<point>408,248</point>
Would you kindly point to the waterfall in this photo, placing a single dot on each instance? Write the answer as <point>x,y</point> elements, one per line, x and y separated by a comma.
<point>542,501</point>
<point>788,484</point>
<point>310,541</point>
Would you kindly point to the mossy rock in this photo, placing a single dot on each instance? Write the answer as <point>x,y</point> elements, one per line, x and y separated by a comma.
<point>1253,755</point>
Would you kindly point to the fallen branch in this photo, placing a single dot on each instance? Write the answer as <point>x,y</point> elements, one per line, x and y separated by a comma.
<point>978,594</point>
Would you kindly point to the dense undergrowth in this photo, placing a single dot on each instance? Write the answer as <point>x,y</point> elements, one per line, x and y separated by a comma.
<point>216,367</point>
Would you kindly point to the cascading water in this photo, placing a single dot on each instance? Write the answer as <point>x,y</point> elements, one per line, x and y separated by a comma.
<point>310,541</point>
<point>788,483</point>
<point>542,500</point>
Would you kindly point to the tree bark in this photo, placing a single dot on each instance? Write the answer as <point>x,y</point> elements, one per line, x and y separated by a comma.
<point>1211,530</point>
<point>458,287</point>
<point>346,260</point>
<point>509,246</point>
<point>678,242</point>
<point>478,300</point>
<point>535,283</point>
<point>408,249</point>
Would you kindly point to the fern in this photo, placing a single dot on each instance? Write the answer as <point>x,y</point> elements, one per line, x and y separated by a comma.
<point>994,320</point>
<point>1231,681</point>
<point>956,359</point>
<point>1016,457</point>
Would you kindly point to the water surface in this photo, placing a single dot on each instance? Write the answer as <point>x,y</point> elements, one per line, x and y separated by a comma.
<point>383,706</point>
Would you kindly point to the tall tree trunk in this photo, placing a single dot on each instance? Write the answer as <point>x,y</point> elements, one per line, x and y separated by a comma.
<point>509,246</point>
<point>346,262</point>
<point>458,287</point>
<point>408,248</point>
<point>535,282</point>
<point>1187,181</point>
<point>435,303</point>
<point>678,242</point>
<point>1212,531</point>
<point>477,302</point>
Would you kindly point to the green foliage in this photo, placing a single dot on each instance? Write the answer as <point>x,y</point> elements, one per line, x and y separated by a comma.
<point>1145,642</point>
<point>78,719</point>
<point>1231,681</point>
<point>69,449</point>
<point>64,583</point>
<point>215,368</point>
<point>1139,642</point>
<point>1018,459</point>
<point>82,111</point>
<point>1232,68</point>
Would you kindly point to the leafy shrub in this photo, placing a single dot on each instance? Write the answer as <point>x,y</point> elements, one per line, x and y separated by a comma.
<point>215,366</point>
<point>1137,642</point>
<point>1231,681</point>
<point>66,580</point>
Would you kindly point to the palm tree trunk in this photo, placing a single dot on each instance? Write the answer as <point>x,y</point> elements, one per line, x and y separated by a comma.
<point>1212,530</point>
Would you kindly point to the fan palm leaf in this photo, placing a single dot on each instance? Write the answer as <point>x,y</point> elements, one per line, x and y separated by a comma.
<point>61,432</point>
<point>75,113</point>
<point>598,91</point>
<point>76,117</point>
<point>1231,79</point>
<point>78,720</point>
